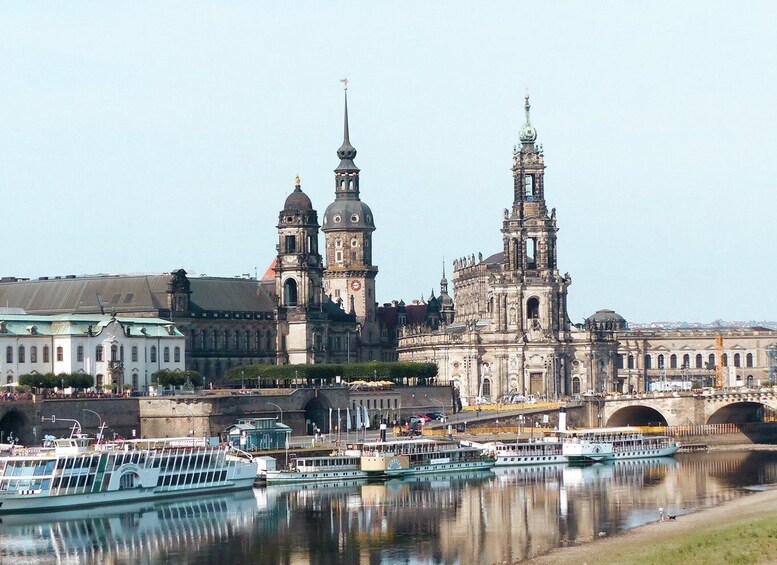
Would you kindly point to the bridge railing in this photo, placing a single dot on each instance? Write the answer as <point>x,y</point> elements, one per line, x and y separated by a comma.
<point>714,429</point>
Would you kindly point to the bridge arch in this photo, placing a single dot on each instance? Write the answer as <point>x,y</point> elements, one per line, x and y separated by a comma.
<point>636,415</point>
<point>738,413</point>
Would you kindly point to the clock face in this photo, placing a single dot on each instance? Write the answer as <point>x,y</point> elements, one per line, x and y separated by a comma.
<point>356,285</point>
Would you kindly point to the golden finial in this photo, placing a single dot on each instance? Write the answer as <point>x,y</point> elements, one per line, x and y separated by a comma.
<point>296,181</point>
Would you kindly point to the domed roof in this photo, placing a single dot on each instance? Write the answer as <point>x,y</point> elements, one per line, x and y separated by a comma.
<point>605,315</point>
<point>298,200</point>
<point>348,214</point>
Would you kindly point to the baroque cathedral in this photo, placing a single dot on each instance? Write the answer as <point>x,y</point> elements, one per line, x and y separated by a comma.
<point>511,335</point>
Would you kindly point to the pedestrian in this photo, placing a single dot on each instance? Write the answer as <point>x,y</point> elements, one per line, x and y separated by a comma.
<point>661,513</point>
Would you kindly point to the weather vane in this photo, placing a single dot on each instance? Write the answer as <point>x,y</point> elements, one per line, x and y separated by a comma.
<point>345,83</point>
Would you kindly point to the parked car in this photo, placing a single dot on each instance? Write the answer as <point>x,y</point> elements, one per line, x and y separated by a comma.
<point>439,416</point>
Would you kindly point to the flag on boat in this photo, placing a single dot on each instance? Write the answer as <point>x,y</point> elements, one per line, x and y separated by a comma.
<point>358,410</point>
<point>348,418</point>
<point>366,418</point>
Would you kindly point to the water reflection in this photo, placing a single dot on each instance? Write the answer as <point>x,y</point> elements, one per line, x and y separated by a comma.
<point>510,515</point>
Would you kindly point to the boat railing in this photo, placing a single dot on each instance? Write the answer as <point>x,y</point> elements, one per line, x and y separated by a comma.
<point>240,453</point>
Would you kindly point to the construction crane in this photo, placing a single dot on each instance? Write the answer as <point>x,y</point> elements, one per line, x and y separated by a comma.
<point>719,365</point>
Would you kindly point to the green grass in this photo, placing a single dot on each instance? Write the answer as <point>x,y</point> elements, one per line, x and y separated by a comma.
<point>742,543</point>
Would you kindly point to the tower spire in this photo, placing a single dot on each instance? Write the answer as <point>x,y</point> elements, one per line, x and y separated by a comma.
<point>347,152</point>
<point>528,133</point>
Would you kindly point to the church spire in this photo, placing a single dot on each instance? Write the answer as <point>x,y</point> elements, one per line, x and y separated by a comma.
<point>347,152</point>
<point>528,133</point>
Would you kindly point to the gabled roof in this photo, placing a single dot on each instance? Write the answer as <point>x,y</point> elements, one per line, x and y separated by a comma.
<point>225,294</point>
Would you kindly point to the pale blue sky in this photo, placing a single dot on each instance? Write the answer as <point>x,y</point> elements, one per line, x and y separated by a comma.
<point>148,136</point>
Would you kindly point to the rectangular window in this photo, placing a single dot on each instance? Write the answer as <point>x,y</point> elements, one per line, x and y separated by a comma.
<point>177,354</point>
<point>80,353</point>
<point>166,352</point>
<point>33,354</point>
<point>134,353</point>
<point>60,354</point>
<point>98,353</point>
<point>45,353</point>
<point>21,354</point>
<point>291,244</point>
<point>9,354</point>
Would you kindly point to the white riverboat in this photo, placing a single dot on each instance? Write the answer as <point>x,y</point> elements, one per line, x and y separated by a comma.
<point>541,451</point>
<point>386,459</point>
<point>314,469</point>
<point>78,471</point>
<point>621,443</point>
<point>609,444</point>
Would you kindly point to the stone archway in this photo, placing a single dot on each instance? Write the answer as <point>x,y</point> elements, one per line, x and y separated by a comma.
<point>12,423</point>
<point>316,414</point>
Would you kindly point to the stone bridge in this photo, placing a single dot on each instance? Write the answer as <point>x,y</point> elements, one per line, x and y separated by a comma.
<point>681,408</point>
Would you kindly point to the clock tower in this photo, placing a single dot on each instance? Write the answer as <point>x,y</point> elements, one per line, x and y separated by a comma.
<point>348,225</point>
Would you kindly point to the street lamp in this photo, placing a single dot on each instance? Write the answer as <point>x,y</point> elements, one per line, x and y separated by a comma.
<point>100,428</point>
<point>278,407</point>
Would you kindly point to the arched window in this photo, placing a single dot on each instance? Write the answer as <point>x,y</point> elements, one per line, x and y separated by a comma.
<point>749,360</point>
<point>203,340</point>
<point>268,341</point>
<point>686,361</point>
<point>166,354</point>
<point>33,354</point>
<point>247,345</point>
<point>661,361</point>
<point>46,354</point>
<point>487,388</point>
<point>529,186</point>
<point>737,360</point>
<point>290,293</point>
<point>21,354</point>
<point>177,354</point>
<point>673,361</point>
<point>533,308</point>
<point>60,354</point>
<point>153,353</point>
<point>648,362</point>
<point>699,361</point>
<point>749,381</point>
<point>9,354</point>
<point>98,353</point>
<point>575,385</point>
<point>114,352</point>
<point>711,361</point>
<point>225,341</point>
<point>725,359</point>
<point>631,361</point>
<point>620,361</point>
<point>134,353</point>
<point>236,341</point>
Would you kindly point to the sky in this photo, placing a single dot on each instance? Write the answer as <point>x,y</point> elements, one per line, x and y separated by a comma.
<point>142,137</point>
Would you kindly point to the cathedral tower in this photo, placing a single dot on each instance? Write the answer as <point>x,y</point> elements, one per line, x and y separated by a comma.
<point>348,226</point>
<point>298,275</point>
<point>529,247</point>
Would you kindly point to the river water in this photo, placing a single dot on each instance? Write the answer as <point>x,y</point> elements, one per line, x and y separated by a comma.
<point>481,518</point>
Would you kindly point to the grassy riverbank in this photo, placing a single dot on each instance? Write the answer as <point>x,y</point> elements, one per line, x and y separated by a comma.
<point>743,531</point>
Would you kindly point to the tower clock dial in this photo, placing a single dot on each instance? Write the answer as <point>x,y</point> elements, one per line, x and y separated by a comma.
<point>356,285</point>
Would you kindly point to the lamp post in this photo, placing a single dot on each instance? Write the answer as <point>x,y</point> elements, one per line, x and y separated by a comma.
<point>100,428</point>
<point>279,408</point>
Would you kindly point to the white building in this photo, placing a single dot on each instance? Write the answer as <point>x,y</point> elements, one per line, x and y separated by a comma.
<point>118,352</point>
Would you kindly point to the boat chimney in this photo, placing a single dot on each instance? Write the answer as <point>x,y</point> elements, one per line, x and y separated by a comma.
<point>562,419</point>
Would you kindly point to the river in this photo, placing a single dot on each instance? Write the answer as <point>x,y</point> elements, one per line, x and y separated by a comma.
<point>486,517</point>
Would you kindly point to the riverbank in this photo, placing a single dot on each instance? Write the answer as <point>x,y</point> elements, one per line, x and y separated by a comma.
<point>741,531</point>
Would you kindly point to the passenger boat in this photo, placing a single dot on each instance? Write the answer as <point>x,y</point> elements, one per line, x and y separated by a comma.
<point>621,443</point>
<point>386,459</point>
<point>78,471</point>
<point>607,444</point>
<point>543,451</point>
<point>322,468</point>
